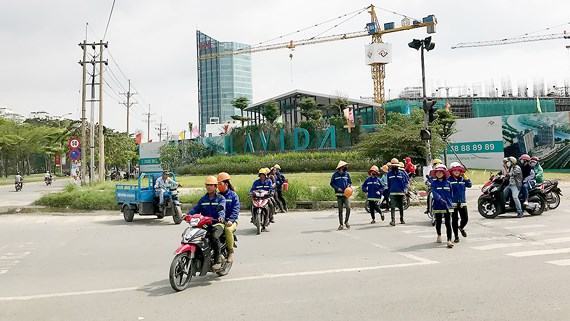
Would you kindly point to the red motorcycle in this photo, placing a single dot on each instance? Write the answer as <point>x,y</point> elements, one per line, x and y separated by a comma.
<point>261,209</point>
<point>195,255</point>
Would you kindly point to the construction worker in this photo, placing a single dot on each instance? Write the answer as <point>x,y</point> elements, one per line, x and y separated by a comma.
<point>264,183</point>
<point>341,182</point>
<point>226,189</point>
<point>442,201</point>
<point>398,182</point>
<point>459,184</point>
<point>374,189</point>
<point>279,181</point>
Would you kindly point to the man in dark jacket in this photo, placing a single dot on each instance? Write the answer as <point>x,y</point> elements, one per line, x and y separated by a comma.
<point>279,181</point>
<point>515,177</point>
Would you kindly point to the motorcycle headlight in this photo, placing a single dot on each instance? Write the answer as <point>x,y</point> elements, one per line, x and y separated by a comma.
<point>193,234</point>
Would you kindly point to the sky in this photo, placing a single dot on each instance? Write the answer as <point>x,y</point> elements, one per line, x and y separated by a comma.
<point>153,44</point>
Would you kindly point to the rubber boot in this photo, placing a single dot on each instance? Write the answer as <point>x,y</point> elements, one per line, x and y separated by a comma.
<point>393,221</point>
<point>402,219</point>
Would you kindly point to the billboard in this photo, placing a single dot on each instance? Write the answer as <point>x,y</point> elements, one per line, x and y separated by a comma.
<point>149,157</point>
<point>545,135</point>
<point>478,143</point>
<point>380,53</point>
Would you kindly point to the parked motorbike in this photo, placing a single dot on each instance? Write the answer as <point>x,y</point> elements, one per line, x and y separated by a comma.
<point>18,186</point>
<point>261,209</point>
<point>552,192</point>
<point>171,206</point>
<point>385,204</point>
<point>195,255</point>
<point>48,180</point>
<point>493,203</point>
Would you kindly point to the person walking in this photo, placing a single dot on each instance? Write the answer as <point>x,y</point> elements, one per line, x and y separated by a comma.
<point>374,188</point>
<point>398,182</point>
<point>441,201</point>
<point>279,181</point>
<point>459,184</point>
<point>342,185</point>
<point>515,177</point>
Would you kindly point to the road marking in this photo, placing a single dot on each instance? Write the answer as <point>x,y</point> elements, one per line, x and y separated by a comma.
<point>518,244</point>
<point>540,252</point>
<point>497,246</point>
<point>560,262</point>
<point>537,233</point>
<point>516,227</point>
<point>65,294</point>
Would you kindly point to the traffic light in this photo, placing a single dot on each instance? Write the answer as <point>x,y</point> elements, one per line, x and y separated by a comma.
<point>428,44</point>
<point>425,134</point>
<point>430,109</point>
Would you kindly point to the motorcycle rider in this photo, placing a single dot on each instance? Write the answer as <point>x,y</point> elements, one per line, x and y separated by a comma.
<point>398,182</point>
<point>263,183</point>
<point>515,177</point>
<point>459,183</point>
<point>226,189</point>
<point>528,177</point>
<point>374,189</point>
<point>163,183</point>
<point>18,179</point>
<point>213,205</point>
<point>538,171</point>
<point>340,181</point>
<point>279,181</point>
<point>48,176</point>
<point>442,201</point>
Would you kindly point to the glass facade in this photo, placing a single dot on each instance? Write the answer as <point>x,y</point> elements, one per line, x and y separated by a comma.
<point>220,79</point>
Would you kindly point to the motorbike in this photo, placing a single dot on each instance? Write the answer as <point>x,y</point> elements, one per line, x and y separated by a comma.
<point>18,186</point>
<point>385,205</point>
<point>261,210</point>
<point>171,206</point>
<point>493,203</point>
<point>552,192</point>
<point>48,180</point>
<point>195,255</point>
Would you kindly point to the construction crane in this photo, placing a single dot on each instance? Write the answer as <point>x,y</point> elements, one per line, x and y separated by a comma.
<point>378,53</point>
<point>508,41</point>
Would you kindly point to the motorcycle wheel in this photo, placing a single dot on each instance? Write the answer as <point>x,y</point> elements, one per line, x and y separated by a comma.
<point>265,220</point>
<point>487,207</point>
<point>180,272</point>
<point>177,214</point>
<point>162,213</point>
<point>257,221</point>
<point>128,214</point>
<point>553,200</point>
<point>226,266</point>
<point>406,204</point>
<point>541,205</point>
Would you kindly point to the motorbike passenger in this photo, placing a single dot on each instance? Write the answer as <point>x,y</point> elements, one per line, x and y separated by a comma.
<point>374,189</point>
<point>226,189</point>
<point>459,183</point>
<point>162,184</point>
<point>263,183</point>
<point>398,183</point>
<point>441,201</point>
<point>515,182</point>
<point>279,181</point>
<point>538,171</point>
<point>213,205</point>
<point>528,177</point>
<point>273,178</point>
<point>341,182</point>
<point>409,167</point>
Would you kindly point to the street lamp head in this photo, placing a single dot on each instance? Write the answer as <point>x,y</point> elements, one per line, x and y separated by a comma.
<point>428,44</point>
<point>415,44</point>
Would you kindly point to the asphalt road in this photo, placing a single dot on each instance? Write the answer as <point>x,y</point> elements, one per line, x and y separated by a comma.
<point>29,193</point>
<point>101,268</point>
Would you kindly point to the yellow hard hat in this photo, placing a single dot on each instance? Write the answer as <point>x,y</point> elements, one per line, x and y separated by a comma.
<point>373,169</point>
<point>277,166</point>
<point>223,176</point>
<point>348,192</point>
<point>263,171</point>
<point>436,161</point>
<point>385,168</point>
<point>211,180</point>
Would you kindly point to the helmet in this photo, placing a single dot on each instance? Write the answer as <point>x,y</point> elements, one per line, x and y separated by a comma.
<point>223,176</point>
<point>524,158</point>
<point>456,166</point>
<point>348,192</point>
<point>263,171</point>
<point>276,166</point>
<point>385,168</point>
<point>534,158</point>
<point>211,180</point>
<point>506,159</point>
<point>436,162</point>
<point>513,160</point>
<point>439,168</point>
<point>341,164</point>
<point>395,162</point>
<point>374,168</point>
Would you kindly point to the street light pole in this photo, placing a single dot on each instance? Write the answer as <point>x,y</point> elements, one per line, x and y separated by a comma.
<point>426,115</point>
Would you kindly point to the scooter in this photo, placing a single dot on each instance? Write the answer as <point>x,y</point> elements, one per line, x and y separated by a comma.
<point>552,192</point>
<point>195,255</point>
<point>18,186</point>
<point>48,180</point>
<point>492,202</point>
<point>261,210</point>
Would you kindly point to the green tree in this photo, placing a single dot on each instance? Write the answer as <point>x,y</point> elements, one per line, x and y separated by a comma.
<point>120,149</point>
<point>399,138</point>
<point>445,127</point>
<point>309,109</point>
<point>241,103</point>
<point>270,111</point>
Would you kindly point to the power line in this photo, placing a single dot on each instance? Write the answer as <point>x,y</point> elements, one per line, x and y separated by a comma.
<point>109,20</point>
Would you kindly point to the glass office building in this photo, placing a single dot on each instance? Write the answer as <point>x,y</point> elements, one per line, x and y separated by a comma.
<point>220,79</point>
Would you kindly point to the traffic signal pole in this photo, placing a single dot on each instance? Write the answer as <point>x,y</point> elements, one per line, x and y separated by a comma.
<point>426,114</point>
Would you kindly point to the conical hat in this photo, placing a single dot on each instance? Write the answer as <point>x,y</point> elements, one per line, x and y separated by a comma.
<point>341,164</point>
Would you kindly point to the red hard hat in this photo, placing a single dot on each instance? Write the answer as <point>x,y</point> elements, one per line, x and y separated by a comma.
<point>524,157</point>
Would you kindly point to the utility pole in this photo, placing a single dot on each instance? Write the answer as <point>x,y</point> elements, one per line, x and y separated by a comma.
<point>96,58</point>
<point>160,128</point>
<point>128,104</point>
<point>83,63</point>
<point>148,124</point>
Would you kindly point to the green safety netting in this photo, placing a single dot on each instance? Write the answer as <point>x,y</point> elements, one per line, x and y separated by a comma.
<point>487,108</point>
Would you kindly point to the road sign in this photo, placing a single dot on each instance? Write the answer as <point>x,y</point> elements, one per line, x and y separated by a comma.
<point>75,154</point>
<point>73,143</point>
